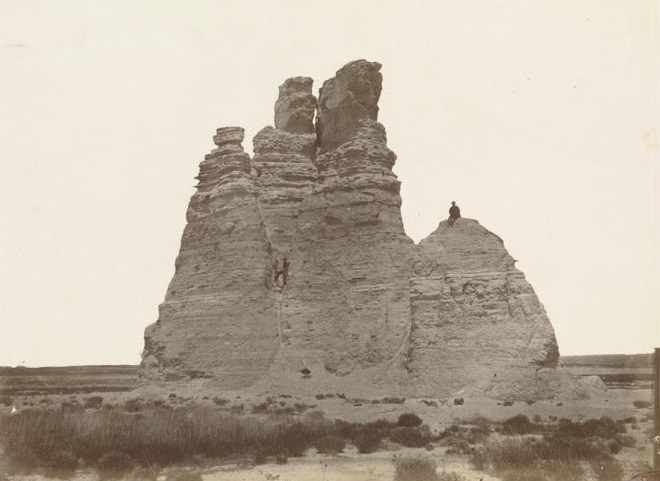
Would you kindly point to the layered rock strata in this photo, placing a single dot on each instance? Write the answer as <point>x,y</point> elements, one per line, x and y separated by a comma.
<point>346,305</point>
<point>474,314</point>
<point>216,319</point>
<point>295,273</point>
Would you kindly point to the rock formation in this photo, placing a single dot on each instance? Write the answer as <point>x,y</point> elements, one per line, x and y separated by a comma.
<point>295,273</point>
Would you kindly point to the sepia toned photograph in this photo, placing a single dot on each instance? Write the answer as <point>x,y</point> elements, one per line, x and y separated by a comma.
<point>397,240</point>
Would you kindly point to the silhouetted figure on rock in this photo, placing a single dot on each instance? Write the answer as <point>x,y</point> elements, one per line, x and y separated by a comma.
<point>454,213</point>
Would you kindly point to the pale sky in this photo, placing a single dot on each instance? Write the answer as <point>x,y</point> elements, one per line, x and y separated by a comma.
<point>540,118</point>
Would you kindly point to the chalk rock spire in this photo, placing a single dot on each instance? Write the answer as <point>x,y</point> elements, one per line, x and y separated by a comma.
<point>296,261</point>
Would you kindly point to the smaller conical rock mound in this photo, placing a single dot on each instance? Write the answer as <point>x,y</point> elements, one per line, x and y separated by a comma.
<point>478,326</point>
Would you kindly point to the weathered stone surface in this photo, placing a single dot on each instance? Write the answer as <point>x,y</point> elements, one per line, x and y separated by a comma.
<point>346,306</point>
<point>295,107</point>
<point>475,316</point>
<point>297,262</point>
<point>216,319</point>
<point>347,102</point>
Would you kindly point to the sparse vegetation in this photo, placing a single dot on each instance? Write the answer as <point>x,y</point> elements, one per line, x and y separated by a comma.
<point>449,476</point>
<point>415,469</point>
<point>120,441</point>
<point>556,457</point>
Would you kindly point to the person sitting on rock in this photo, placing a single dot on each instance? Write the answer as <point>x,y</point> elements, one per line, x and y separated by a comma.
<point>454,213</point>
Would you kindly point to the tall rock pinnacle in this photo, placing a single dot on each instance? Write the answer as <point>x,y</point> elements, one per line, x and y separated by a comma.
<point>294,109</point>
<point>224,262</point>
<point>297,261</point>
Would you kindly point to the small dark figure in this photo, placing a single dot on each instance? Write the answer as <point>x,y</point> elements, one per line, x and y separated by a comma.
<point>284,272</point>
<point>454,213</point>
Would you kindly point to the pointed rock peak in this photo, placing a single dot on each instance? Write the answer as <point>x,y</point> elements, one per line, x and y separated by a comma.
<point>360,64</point>
<point>295,107</point>
<point>347,100</point>
<point>466,244</point>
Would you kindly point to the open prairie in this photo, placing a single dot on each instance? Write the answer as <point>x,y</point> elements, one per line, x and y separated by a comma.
<point>92,413</point>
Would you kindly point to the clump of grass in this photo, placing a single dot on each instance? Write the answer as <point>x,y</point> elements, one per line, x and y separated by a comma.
<point>463,439</point>
<point>367,442</point>
<point>331,444</point>
<point>519,424</point>
<point>411,437</point>
<point>409,420</point>
<point>641,404</point>
<point>415,469</point>
<point>366,437</point>
<point>94,402</point>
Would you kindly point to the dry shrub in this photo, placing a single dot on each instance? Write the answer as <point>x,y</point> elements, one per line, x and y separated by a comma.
<point>519,424</point>
<point>415,469</point>
<point>94,402</point>
<point>463,439</point>
<point>367,441</point>
<point>409,420</point>
<point>330,445</point>
<point>416,437</point>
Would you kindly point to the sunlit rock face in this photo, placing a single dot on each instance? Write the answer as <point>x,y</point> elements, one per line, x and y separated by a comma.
<point>295,273</point>
<point>475,316</point>
<point>216,319</point>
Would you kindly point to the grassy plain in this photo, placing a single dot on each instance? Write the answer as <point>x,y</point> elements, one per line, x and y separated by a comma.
<point>86,423</point>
